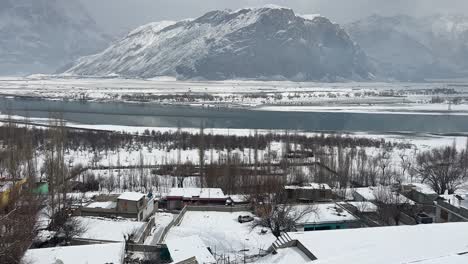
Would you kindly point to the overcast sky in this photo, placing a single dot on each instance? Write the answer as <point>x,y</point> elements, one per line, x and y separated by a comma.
<point>122,15</point>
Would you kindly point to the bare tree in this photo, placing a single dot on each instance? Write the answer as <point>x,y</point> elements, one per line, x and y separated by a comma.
<point>444,169</point>
<point>383,160</point>
<point>391,205</point>
<point>18,226</point>
<point>275,213</point>
<point>18,213</point>
<point>72,228</point>
<point>201,155</point>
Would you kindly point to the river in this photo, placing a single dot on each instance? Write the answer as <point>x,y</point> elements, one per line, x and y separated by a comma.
<point>154,115</point>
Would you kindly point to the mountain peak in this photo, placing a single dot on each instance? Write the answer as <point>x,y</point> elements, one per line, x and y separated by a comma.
<point>251,43</point>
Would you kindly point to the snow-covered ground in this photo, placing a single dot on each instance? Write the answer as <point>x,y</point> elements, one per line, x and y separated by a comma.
<point>223,233</point>
<point>273,95</point>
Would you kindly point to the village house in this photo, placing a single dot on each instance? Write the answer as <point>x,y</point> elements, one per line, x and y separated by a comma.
<point>180,197</point>
<point>311,192</point>
<point>129,205</point>
<point>420,193</point>
<point>380,194</point>
<point>365,211</point>
<point>325,216</point>
<point>451,208</point>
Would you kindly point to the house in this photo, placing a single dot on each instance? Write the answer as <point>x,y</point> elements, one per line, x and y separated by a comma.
<point>129,205</point>
<point>179,197</point>
<point>420,193</point>
<point>366,211</point>
<point>184,249</point>
<point>451,208</point>
<point>86,254</point>
<point>324,216</point>
<point>383,194</point>
<point>310,192</point>
<point>360,207</point>
<point>422,244</point>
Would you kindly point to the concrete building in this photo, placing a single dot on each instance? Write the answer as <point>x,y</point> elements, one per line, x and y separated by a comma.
<point>325,216</point>
<point>311,192</point>
<point>129,205</point>
<point>422,244</point>
<point>420,193</point>
<point>179,197</point>
<point>451,208</point>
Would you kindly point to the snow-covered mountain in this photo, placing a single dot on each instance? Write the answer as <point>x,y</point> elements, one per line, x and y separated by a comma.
<point>39,36</point>
<point>408,48</point>
<point>257,43</point>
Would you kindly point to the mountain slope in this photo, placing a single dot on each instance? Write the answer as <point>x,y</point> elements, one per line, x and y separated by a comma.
<point>408,48</point>
<point>261,43</point>
<point>43,35</point>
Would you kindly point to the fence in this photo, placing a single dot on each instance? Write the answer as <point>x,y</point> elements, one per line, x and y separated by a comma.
<point>227,209</point>
<point>175,221</point>
<point>143,233</point>
<point>149,209</point>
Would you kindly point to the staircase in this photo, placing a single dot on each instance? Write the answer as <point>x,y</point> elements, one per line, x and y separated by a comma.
<point>282,242</point>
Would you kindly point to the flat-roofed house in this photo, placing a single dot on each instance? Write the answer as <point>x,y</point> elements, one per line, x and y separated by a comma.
<point>309,192</point>
<point>420,193</point>
<point>129,205</point>
<point>324,216</point>
<point>422,244</point>
<point>179,197</point>
<point>132,203</point>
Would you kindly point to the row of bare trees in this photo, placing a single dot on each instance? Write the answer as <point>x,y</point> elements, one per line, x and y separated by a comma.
<point>19,204</point>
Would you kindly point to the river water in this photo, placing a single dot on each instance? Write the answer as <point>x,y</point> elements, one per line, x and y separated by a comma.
<point>127,114</point>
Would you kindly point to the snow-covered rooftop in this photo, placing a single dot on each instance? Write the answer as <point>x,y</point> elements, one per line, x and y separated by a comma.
<point>239,198</point>
<point>364,207</point>
<point>131,196</point>
<point>309,186</point>
<point>323,213</point>
<point>87,254</point>
<point>457,200</point>
<point>367,193</point>
<point>108,229</point>
<point>423,188</point>
<point>105,205</point>
<point>187,247</point>
<point>203,193</point>
<point>434,243</point>
<point>378,193</point>
<point>287,256</point>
